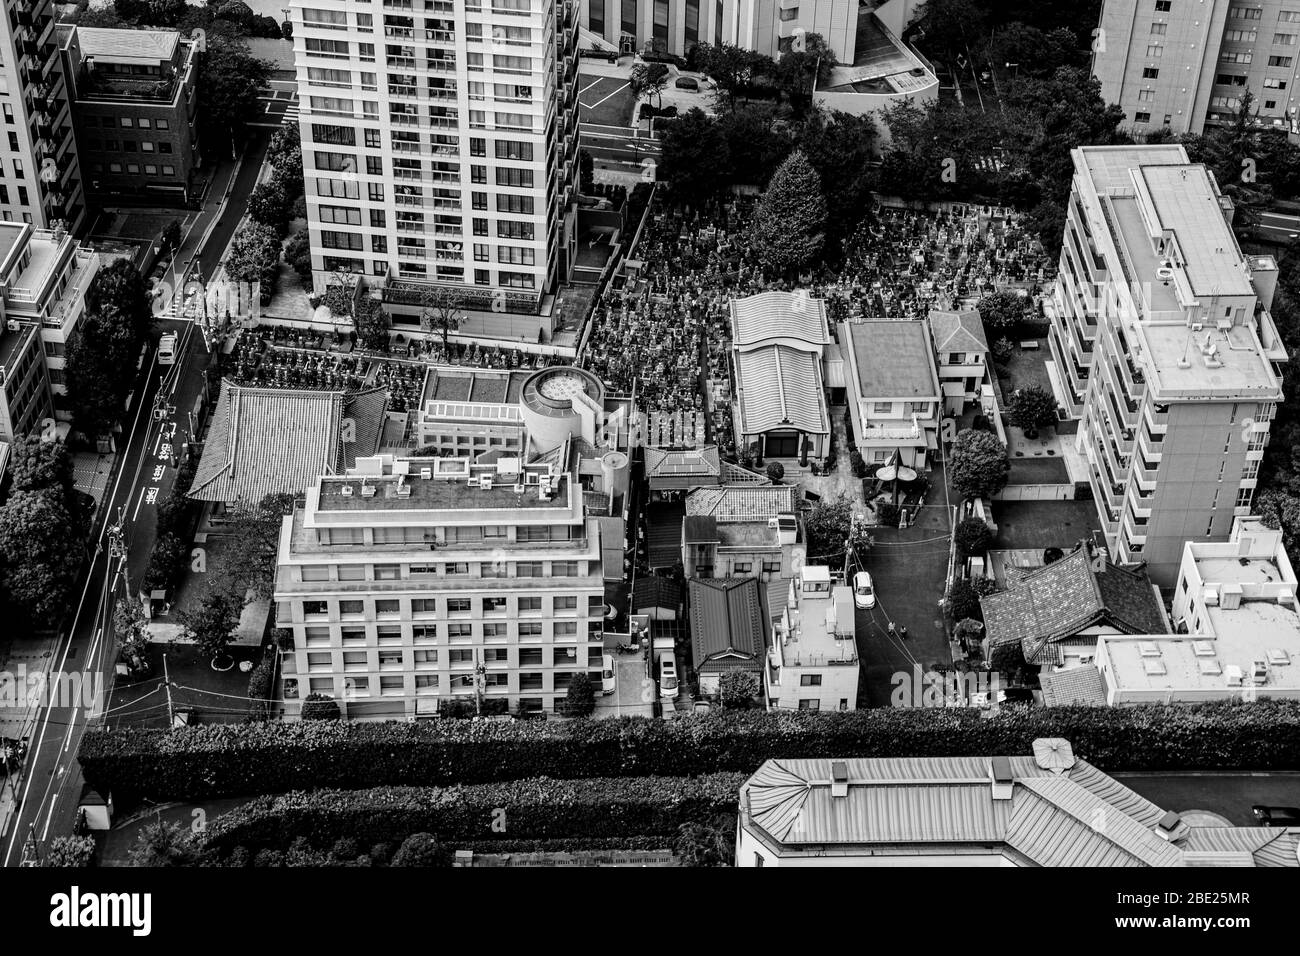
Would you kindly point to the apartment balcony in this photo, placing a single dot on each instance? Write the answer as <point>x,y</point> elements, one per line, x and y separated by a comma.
<point>399,33</point>
<point>404,119</point>
<point>399,5</point>
<point>444,37</point>
<point>401,62</point>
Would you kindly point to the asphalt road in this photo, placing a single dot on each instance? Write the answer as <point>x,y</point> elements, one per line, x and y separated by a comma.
<point>1230,795</point>
<point>51,783</point>
<point>1278,227</point>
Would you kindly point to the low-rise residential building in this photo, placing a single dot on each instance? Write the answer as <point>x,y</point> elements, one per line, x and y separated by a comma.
<point>813,660</point>
<point>25,399</point>
<point>1034,810</point>
<point>961,348</point>
<point>728,629</point>
<point>742,531</point>
<point>778,340</point>
<point>1056,613</point>
<point>893,390</point>
<point>410,581</point>
<point>134,101</point>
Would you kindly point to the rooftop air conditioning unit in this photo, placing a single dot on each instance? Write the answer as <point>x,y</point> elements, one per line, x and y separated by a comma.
<point>1223,325</point>
<point>772,522</point>
<point>403,490</point>
<point>426,473</point>
<point>485,482</point>
<point>1259,671</point>
<point>367,491</point>
<point>346,491</point>
<point>12,325</point>
<point>1198,326</point>
<point>1277,657</point>
<point>519,487</point>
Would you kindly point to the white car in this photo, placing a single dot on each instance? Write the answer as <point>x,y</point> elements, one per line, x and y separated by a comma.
<point>668,676</point>
<point>864,592</point>
<point>608,677</point>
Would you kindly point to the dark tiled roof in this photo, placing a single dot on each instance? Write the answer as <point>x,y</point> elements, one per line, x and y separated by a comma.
<point>1057,601</point>
<point>681,470</point>
<point>726,614</point>
<point>366,411</point>
<point>652,590</point>
<point>700,529</point>
<point>664,536</point>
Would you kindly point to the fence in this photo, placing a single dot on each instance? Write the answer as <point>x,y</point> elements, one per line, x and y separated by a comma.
<point>1062,492</point>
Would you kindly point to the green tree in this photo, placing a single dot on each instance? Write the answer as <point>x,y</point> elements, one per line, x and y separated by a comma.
<point>973,537</point>
<point>978,464</point>
<point>695,158</point>
<point>230,80</point>
<point>170,236</point>
<point>790,221</point>
<point>706,844</point>
<point>1031,408</point>
<point>952,28</point>
<point>1003,310</point>
<point>647,79</point>
<point>288,173</point>
<point>775,472</point>
<point>419,849</point>
<point>964,598</point>
<point>252,543</point>
<point>580,699</point>
<point>297,252</point>
<point>131,627</point>
<point>40,554</point>
<point>40,465</point>
<point>254,252</point>
<point>841,147</point>
<point>758,141</point>
<point>800,71</point>
<point>441,313</point>
<point>212,624</point>
<point>372,324</point>
<point>269,205</point>
<point>70,851</point>
<point>164,843</point>
<point>737,689</point>
<point>320,707</point>
<point>831,528</point>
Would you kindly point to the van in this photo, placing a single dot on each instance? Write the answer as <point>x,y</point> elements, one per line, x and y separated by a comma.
<point>608,678</point>
<point>668,675</point>
<point>167,349</point>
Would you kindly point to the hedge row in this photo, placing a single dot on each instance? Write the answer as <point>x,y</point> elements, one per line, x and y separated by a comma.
<point>222,760</point>
<point>536,808</point>
<point>298,856</point>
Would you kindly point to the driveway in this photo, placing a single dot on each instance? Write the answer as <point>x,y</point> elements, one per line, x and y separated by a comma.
<point>630,697</point>
<point>908,568</point>
<point>1228,794</point>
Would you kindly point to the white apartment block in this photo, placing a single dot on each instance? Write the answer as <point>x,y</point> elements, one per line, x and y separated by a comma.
<point>1163,346</point>
<point>1184,64</point>
<point>440,146</point>
<point>411,580</point>
<point>813,660</point>
<point>39,178</point>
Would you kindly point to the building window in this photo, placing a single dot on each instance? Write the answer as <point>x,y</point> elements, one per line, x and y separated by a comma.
<point>810,680</point>
<point>1159,29</point>
<point>1155,51</point>
<point>742,567</point>
<point>1279,61</point>
<point>530,604</point>
<point>530,629</point>
<point>1142,117</point>
<point>807,704</point>
<point>1284,39</point>
<point>1150,73</point>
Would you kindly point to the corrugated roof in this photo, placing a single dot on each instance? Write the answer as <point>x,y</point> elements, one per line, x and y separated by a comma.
<point>726,614</point>
<point>893,358</point>
<point>268,441</point>
<point>780,388</point>
<point>742,503</point>
<point>700,529</point>
<point>958,331</point>
<point>664,536</point>
<point>778,315</point>
<point>109,44</point>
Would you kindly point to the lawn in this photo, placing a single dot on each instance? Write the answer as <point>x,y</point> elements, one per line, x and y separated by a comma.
<point>1026,368</point>
<point>604,101</point>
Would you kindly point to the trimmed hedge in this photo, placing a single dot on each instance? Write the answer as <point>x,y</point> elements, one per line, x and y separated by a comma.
<point>536,808</point>
<point>222,760</point>
<point>240,856</point>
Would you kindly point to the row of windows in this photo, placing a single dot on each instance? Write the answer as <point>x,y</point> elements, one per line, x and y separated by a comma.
<point>134,168</point>
<point>126,146</point>
<point>496,604</point>
<point>394,685</point>
<point>487,569</point>
<point>127,122</point>
<point>422,634</point>
<point>558,656</point>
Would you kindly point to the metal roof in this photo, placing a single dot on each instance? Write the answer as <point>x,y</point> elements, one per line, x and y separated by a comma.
<point>726,614</point>
<point>780,388</point>
<point>892,357</point>
<point>772,316</point>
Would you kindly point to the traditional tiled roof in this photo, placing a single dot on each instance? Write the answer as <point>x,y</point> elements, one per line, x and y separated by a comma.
<point>267,441</point>
<point>653,590</point>
<point>780,388</point>
<point>363,425</point>
<point>768,316</point>
<point>892,357</point>
<point>700,529</point>
<point>726,620</point>
<point>1059,600</point>
<point>681,470</point>
<point>1057,812</point>
<point>1075,685</point>
<point>742,503</point>
<point>958,331</point>
<point>664,536</point>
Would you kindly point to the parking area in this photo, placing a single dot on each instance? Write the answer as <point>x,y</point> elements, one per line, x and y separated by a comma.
<point>604,100</point>
<point>1043,524</point>
<point>908,568</point>
<point>633,697</point>
<point>1230,795</point>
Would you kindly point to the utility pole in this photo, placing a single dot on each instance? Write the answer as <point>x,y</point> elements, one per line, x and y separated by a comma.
<point>167,682</point>
<point>480,683</point>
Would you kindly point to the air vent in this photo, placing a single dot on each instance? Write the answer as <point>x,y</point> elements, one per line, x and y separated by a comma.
<point>1153,668</point>
<point>1148,649</point>
<point>1203,648</point>
<point>1209,667</point>
<point>1278,657</point>
<point>839,779</point>
<point>346,491</point>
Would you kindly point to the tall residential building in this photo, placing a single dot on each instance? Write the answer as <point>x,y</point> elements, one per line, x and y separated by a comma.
<point>39,179</point>
<point>134,103</point>
<point>1162,344</point>
<point>440,149</point>
<point>1184,64</point>
<point>473,575</point>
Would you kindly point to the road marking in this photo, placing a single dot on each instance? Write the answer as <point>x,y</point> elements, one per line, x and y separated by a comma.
<point>592,106</point>
<point>593,84</point>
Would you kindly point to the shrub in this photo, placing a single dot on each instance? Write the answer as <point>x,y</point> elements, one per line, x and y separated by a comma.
<point>70,851</point>
<point>1052,555</point>
<point>964,598</point>
<point>164,843</point>
<point>320,707</point>
<point>857,463</point>
<point>538,808</point>
<point>888,514</point>
<point>420,849</point>
<point>775,472</point>
<point>261,682</point>
<point>221,760</point>
<point>973,536</point>
<point>707,844</point>
<point>1031,408</point>
<point>978,466</point>
<point>737,689</point>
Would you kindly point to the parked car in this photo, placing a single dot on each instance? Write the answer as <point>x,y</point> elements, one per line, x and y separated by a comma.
<point>864,591</point>
<point>688,83</point>
<point>668,685</point>
<point>1276,816</point>
<point>608,676</point>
